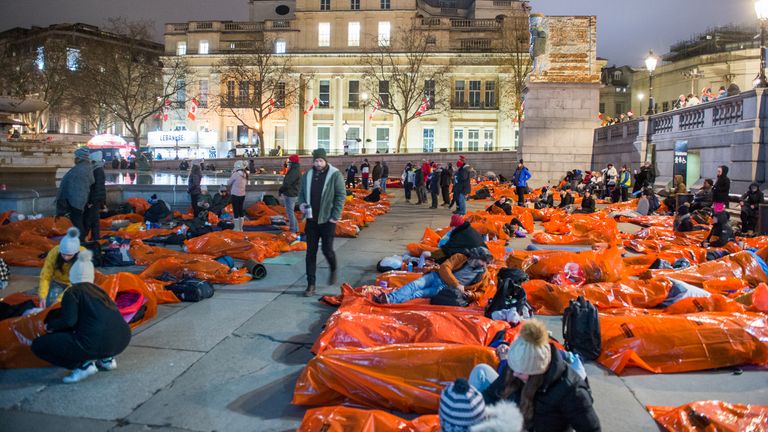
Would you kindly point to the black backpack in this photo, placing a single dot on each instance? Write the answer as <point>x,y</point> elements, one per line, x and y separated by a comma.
<point>191,290</point>
<point>581,329</point>
<point>117,257</point>
<point>95,248</point>
<point>270,200</point>
<point>159,212</point>
<point>509,293</point>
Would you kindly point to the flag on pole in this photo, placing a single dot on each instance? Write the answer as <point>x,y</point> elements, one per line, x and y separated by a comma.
<point>423,108</point>
<point>271,106</point>
<point>312,106</point>
<point>166,109</point>
<point>375,108</point>
<point>192,113</point>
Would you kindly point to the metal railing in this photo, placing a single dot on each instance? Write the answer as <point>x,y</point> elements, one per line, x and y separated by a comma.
<point>476,45</point>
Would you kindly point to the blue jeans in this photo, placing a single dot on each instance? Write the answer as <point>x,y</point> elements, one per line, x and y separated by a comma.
<point>426,286</point>
<point>290,204</point>
<point>482,376</point>
<point>383,185</point>
<point>461,204</point>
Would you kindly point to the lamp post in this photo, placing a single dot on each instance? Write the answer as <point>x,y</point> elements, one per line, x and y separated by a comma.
<point>761,8</point>
<point>650,63</point>
<point>177,138</point>
<point>640,98</point>
<point>364,97</point>
<point>346,136</point>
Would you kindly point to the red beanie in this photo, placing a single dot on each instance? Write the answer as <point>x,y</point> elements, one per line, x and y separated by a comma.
<point>460,163</point>
<point>293,158</point>
<point>457,220</point>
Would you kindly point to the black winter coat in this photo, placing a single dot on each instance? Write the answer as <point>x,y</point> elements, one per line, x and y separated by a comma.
<point>567,199</point>
<point>445,178</point>
<point>290,187</point>
<point>434,182</point>
<point>563,401</point>
<point>463,185</point>
<point>419,178</point>
<point>722,188</point>
<point>98,194</point>
<point>463,238</point>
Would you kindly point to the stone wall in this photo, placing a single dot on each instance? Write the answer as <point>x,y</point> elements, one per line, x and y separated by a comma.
<point>619,144</point>
<point>28,162</point>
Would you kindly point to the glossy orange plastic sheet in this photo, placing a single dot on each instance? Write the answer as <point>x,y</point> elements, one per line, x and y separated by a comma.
<point>232,243</point>
<point>130,217</point>
<point>347,419</point>
<point>598,266</point>
<point>742,265</point>
<point>578,229</point>
<point>360,323</point>
<point>17,334</point>
<point>711,416</point>
<point>144,254</point>
<point>683,343</point>
<point>551,299</point>
<point>139,204</point>
<point>408,378</point>
<point>28,250</point>
<point>129,282</point>
<point>209,270</point>
<point>46,227</point>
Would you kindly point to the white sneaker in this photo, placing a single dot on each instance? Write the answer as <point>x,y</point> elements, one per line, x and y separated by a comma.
<point>106,364</point>
<point>81,373</point>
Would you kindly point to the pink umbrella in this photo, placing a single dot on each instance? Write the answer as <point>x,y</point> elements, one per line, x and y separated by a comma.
<point>111,141</point>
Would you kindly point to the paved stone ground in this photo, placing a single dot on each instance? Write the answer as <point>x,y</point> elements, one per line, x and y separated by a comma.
<point>229,363</point>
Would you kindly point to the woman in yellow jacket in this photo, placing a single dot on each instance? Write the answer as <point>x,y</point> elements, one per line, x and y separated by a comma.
<point>54,277</point>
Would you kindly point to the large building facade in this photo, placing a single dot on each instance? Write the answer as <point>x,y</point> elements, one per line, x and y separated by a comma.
<point>328,42</point>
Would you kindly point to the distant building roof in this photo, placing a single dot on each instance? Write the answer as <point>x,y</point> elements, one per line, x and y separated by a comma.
<point>713,41</point>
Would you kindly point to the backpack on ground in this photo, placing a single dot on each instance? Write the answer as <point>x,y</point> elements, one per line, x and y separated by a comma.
<point>117,257</point>
<point>159,212</point>
<point>510,293</point>
<point>270,200</point>
<point>581,329</point>
<point>191,290</point>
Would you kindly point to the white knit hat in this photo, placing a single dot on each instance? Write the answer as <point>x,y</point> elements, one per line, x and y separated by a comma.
<point>530,354</point>
<point>70,244</point>
<point>82,270</point>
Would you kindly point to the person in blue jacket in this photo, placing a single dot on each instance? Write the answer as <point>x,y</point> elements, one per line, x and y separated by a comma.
<point>520,180</point>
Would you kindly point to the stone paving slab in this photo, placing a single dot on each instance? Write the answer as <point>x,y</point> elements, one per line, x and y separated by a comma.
<point>21,421</point>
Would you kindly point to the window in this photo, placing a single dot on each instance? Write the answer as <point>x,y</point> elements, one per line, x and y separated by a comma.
<point>619,108</point>
<point>280,46</point>
<point>384,28</point>
<point>384,94</point>
<point>40,58</point>
<point>242,134</point>
<point>353,34</point>
<point>325,5</point>
<point>324,96</point>
<point>203,99</point>
<point>181,93</point>
<point>602,107</point>
<point>280,136</point>
<point>474,94</point>
<point>382,140</point>
<point>230,134</point>
<point>665,106</point>
<point>324,137</point>
<point>488,143</point>
<point>181,48</point>
<point>490,94</point>
<point>385,4</point>
<point>473,139</point>
<point>203,47</point>
<point>354,4</point>
<point>324,34</point>
<point>458,139</point>
<point>280,95</point>
<point>242,95</point>
<point>230,92</point>
<point>617,75</point>
<point>429,140</point>
<point>73,58</point>
<point>429,92</point>
<point>458,93</point>
<point>354,94</point>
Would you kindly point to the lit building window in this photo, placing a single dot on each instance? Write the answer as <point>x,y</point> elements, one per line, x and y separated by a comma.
<point>40,58</point>
<point>458,139</point>
<point>324,95</point>
<point>324,34</point>
<point>324,137</point>
<point>280,46</point>
<point>203,101</point>
<point>73,58</point>
<point>429,140</point>
<point>490,94</point>
<point>474,94</point>
<point>181,48</point>
<point>488,141</point>
<point>382,140</point>
<point>353,34</point>
<point>384,28</point>
<point>203,47</point>
<point>473,139</point>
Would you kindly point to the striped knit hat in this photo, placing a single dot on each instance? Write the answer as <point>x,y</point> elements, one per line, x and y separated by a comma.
<point>461,406</point>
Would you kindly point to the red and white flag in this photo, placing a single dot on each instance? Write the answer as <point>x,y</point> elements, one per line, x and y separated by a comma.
<point>271,106</point>
<point>166,109</point>
<point>423,108</point>
<point>375,108</point>
<point>312,106</point>
<point>192,113</point>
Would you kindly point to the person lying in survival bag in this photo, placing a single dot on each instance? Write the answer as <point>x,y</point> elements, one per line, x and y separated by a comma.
<point>502,205</point>
<point>482,193</point>
<point>720,229</point>
<point>461,238</point>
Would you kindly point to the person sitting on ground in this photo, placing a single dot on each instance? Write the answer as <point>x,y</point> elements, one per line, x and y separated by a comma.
<point>220,200</point>
<point>466,274</point>
<point>516,228</point>
<point>205,200</point>
<point>88,331</point>
<point>541,379</point>
<point>720,229</point>
<point>703,198</point>
<point>375,195</point>
<point>546,199</point>
<point>587,204</point>
<point>460,239</point>
<point>54,276</point>
<point>683,221</point>
<point>750,205</point>
<point>644,204</point>
<point>501,206</point>
<point>566,199</point>
<point>678,189</point>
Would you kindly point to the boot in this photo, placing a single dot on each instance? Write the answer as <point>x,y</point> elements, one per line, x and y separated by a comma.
<point>238,222</point>
<point>310,291</point>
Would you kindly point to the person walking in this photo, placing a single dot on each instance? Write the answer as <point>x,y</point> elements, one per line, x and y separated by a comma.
<point>97,198</point>
<point>721,191</point>
<point>321,199</point>
<point>384,176</point>
<point>75,187</point>
<point>408,177</point>
<point>446,179</point>
<point>290,190</point>
<point>365,172</point>
<point>418,180</point>
<point>520,180</point>
<point>625,181</point>
<point>236,185</point>
<point>351,175</point>
<point>462,187</point>
<point>193,187</point>
<point>434,184</point>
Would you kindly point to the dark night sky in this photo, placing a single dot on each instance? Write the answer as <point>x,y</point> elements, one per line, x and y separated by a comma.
<point>626,29</point>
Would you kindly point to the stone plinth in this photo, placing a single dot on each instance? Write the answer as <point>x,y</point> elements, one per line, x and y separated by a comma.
<point>34,163</point>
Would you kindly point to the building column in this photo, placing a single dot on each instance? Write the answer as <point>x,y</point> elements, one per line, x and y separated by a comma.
<point>338,134</point>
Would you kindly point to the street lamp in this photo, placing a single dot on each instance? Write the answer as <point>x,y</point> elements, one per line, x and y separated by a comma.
<point>364,97</point>
<point>650,63</point>
<point>761,8</point>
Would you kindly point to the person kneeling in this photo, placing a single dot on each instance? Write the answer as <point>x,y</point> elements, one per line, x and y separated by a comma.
<point>463,276</point>
<point>88,331</point>
<point>587,204</point>
<point>374,196</point>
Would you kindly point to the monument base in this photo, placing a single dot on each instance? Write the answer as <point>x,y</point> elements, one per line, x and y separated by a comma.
<point>558,131</point>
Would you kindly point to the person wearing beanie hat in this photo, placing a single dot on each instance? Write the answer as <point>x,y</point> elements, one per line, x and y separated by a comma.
<point>460,239</point>
<point>289,191</point>
<point>97,199</point>
<point>54,276</point>
<point>467,274</point>
<point>88,331</point>
<point>321,199</point>
<point>220,200</point>
<point>462,187</point>
<point>456,220</point>
<point>461,407</point>
<point>236,184</point>
<point>551,395</point>
<point>74,190</point>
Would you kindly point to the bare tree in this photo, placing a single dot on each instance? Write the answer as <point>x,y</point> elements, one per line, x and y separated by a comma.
<point>127,78</point>
<point>258,84</point>
<point>36,73</point>
<point>515,46</point>
<point>401,74</point>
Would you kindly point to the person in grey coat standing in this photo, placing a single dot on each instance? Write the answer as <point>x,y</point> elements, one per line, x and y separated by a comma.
<point>74,190</point>
<point>96,199</point>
